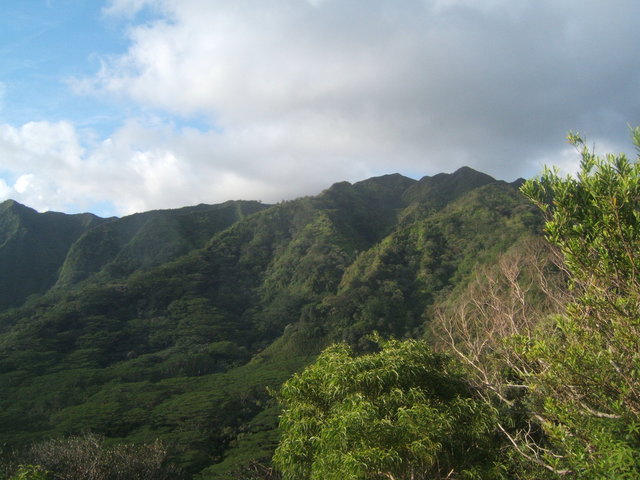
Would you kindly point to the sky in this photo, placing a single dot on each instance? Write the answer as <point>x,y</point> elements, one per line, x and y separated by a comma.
<point>121,106</point>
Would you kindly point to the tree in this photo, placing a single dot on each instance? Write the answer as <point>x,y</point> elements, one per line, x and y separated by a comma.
<point>582,368</point>
<point>508,297</point>
<point>403,412</point>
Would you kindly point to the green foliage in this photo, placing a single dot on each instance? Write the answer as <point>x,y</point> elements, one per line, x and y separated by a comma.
<point>33,246</point>
<point>403,412</point>
<point>583,367</point>
<point>30,472</point>
<point>594,219</point>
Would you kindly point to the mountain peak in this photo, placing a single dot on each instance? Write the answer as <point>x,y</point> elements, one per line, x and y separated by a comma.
<point>471,174</point>
<point>392,180</point>
<point>462,173</point>
<point>443,188</point>
<point>11,204</point>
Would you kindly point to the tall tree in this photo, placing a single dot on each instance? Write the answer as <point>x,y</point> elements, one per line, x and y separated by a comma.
<point>403,412</point>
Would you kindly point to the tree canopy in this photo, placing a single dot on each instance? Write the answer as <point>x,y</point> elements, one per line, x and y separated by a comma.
<point>402,412</point>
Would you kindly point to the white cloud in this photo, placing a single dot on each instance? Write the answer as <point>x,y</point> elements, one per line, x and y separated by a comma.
<point>23,183</point>
<point>41,156</point>
<point>304,93</point>
<point>140,168</point>
<point>431,81</point>
<point>5,190</point>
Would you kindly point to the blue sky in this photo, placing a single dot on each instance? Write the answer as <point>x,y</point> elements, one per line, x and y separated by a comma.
<point>46,43</point>
<point>129,105</point>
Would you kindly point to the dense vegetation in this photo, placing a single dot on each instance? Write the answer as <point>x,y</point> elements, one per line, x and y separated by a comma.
<point>403,412</point>
<point>169,326</point>
<point>168,344</point>
<point>560,391</point>
<point>32,248</point>
<point>161,334</point>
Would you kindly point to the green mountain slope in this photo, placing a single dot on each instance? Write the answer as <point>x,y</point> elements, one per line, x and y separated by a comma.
<point>443,188</point>
<point>182,348</point>
<point>120,247</point>
<point>33,246</point>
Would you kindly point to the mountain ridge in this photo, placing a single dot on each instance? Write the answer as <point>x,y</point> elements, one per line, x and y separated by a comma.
<point>182,346</point>
<point>32,247</point>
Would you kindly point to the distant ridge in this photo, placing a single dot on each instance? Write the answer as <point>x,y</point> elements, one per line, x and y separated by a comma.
<point>446,187</point>
<point>140,241</point>
<point>33,246</point>
<point>42,250</point>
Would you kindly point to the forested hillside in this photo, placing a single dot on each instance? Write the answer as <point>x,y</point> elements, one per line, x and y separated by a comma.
<point>537,371</point>
<point>170,325</point>
<point>32,248</point>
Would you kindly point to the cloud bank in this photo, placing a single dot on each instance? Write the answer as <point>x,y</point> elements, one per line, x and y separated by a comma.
<point>292,95</point>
